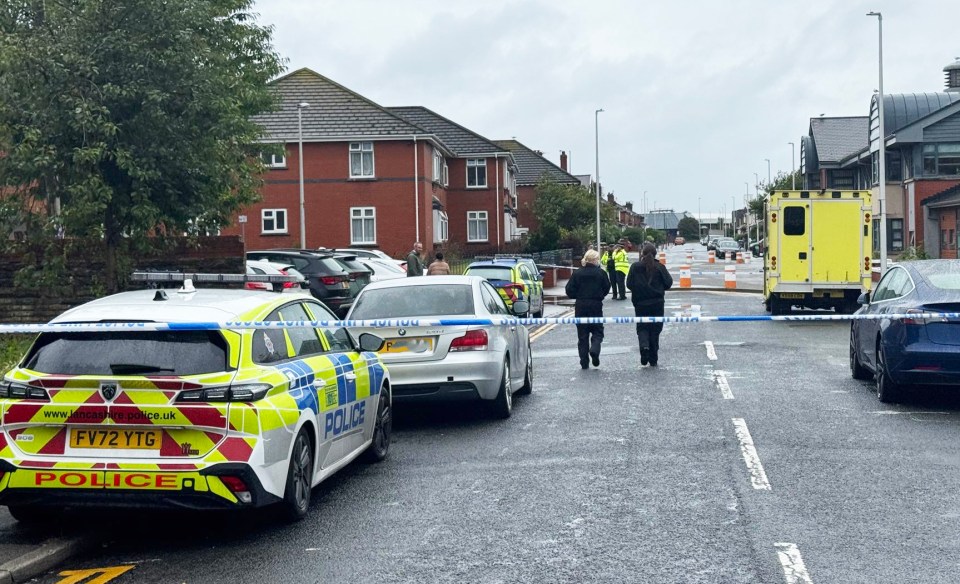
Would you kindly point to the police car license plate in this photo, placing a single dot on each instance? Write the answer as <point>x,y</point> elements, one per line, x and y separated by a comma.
<point>411,345</point>
<point>134,439</point>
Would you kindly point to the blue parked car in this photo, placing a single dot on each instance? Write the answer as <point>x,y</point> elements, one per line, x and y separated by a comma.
<point>901,352</point>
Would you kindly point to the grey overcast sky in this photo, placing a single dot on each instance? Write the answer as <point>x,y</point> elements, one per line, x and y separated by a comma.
<point>696,93</point>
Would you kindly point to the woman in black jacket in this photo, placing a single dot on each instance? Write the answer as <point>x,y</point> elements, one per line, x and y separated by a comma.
<point>589,286</point>
<point>647,280</point>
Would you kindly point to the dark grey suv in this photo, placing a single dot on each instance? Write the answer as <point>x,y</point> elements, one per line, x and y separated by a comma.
<point>329,282</point>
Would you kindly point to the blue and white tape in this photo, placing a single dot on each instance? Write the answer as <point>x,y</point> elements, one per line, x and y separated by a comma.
<point>434,322</point>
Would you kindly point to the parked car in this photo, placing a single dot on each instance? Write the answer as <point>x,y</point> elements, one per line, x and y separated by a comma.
<point>758,247</point>
<point>725,247</point>
<point>329,282</point>
<point>361,252</point>
<point>897,353</point>
<point>513,280</point>
<point>264,268</point>
<point>488,363</point>
<point>382,269</point>
<point>201,419</point>
<point>359,273</point>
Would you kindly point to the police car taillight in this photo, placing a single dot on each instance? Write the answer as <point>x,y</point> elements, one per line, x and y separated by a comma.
<point>237,393</point>
<point>475,340</point>
<point>238,488</point>
<point>14,390</point>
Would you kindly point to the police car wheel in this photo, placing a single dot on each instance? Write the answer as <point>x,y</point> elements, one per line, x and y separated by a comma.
<point>34,514</point>
<point>296,495</point>
<point>527,386</point>
<point>382,429</point>
<point>503,403</point>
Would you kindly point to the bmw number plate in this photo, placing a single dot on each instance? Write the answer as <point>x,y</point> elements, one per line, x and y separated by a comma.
<point>411,345</point>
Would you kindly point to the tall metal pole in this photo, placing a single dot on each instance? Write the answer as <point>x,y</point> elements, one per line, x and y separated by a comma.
<point>793,167</point>
<point>769,176</point>
<point>699,219</point>
<point>882,174</point>
<point>596,136</point>
<point>303,221</point>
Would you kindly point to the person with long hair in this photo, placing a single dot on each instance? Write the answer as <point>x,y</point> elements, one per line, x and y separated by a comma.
<point>648,280</point>
<point>588,287</point>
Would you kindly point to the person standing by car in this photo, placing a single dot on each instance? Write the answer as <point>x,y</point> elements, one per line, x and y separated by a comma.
<point>414,261</point>
<point>588,287</point>
<point>648,280</point>
<point>621,266</point>
<point>438,267</point>
<point>607,261</point>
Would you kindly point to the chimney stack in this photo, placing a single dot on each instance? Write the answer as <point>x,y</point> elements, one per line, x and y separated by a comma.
<point>952,75</point>
<point>610,199</point>
<point>629,206</point>
<point>563,160</point>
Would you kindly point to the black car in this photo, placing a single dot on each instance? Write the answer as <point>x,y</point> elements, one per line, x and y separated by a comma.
<point>359,273</point>
<point>899,352</point>
<point>329,281</point>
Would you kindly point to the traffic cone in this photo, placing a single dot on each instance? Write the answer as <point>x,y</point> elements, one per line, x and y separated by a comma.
<point>729,277</point>
<point>685,276</point>
<point>711,257</point>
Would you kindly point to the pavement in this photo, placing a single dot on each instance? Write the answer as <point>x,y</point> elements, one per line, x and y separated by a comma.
<point>26,553</point>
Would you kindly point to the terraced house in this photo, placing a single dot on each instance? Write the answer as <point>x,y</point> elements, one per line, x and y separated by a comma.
<point>375,176</point>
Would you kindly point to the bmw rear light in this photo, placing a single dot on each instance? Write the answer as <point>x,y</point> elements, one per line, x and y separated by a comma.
<point>237,393</point>
<point>475,340</point>
<point>14,390</point>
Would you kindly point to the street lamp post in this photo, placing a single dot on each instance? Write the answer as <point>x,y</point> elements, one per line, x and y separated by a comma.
<point>793,167</point>
<point>882,174</point>
<point>733,216</point>
<point>699,219</point>
<point>303,221</point>
<point>769,176</point>
<point>596,132</point>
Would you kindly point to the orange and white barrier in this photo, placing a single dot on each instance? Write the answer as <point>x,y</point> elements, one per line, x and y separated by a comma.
<point>739,257</point>
<point>730,277</point>
<point>711,257</point>
<point>685,281</point>
<point>689,257</point>
<point>663,258</point>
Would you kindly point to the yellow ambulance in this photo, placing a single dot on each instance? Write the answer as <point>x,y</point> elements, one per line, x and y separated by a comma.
<point>819,249</point>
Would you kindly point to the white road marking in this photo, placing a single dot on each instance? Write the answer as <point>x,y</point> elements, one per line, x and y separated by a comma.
<point>711,351</point>
<point>721,378</point>
<point>794,572</point>
<point>896,413</point>
<point>757,476</point>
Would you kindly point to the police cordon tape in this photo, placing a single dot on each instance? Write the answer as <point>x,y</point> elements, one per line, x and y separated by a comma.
<point>418,322</point>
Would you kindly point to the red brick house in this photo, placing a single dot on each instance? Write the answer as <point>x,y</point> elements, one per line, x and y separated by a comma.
<point>374,176</point>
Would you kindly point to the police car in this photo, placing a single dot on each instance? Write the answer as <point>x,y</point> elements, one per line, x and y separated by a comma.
<point>202,419</point>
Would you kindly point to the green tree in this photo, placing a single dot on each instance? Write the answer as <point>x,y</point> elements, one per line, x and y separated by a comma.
<point>567,215</point>
<point>655,235</point>
<point>635,235</point>
<point>132,118</point>
<point>689,228</point>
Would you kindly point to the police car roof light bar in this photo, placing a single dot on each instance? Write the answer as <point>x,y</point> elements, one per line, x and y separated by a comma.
<point>216,278</point>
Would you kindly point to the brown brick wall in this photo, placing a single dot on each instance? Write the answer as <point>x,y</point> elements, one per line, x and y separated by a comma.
<point>923,190</point>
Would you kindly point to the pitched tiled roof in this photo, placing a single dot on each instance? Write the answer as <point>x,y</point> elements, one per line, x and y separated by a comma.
<point>459,139</point>
<point>334,112</point>
<point>838,138</point>
<point>532,166</point>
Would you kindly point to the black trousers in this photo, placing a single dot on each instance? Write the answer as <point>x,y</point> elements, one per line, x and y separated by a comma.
<point>619,285</point>
<point>612,274</point>
<point>649,333</point>
<point>589,336</point>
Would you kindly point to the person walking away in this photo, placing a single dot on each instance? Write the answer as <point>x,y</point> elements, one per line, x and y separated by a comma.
<point>438,267</point>
<point>588,287</point>
<point>607,260</point>
<point>622,266</point>
<point>647,280</point>
<point>414,261</point>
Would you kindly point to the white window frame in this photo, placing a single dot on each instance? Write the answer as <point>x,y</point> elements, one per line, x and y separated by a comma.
<point>479,218</point>
<point>439,167</point>
<point>476,163</point>
<point>273,215</point>
<point>441,226</point>
<point>276,160</point>
<point>359,149</point>
<point>363,215</point>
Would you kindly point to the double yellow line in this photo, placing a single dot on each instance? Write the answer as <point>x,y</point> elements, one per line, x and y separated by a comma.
<point>544,329</point>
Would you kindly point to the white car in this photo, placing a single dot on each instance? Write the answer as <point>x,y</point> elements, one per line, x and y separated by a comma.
<point>265,268</point>
<point>482,363</point>
<point>382,269</point>
<point>371,254</point>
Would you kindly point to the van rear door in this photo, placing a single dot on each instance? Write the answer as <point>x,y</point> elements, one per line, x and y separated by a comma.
<point>794,241</point>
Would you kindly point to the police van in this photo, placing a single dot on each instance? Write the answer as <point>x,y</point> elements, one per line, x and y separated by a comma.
<point>818,250</point>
